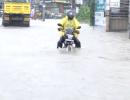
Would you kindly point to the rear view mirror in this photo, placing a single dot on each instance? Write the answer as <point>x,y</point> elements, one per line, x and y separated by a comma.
<point>60,29</point>
<point>59,24</point>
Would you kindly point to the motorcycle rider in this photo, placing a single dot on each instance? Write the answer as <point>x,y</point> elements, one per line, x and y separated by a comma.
<point>69,21</point>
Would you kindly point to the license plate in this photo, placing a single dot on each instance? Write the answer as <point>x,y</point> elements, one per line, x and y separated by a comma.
<point>16,18</point>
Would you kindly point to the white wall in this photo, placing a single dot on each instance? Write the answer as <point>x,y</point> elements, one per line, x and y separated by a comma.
<point>112,3</point>
<point>99,15</point>
<point>99,19</point>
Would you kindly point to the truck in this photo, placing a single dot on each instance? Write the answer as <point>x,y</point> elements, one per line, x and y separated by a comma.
<point>16,12</point>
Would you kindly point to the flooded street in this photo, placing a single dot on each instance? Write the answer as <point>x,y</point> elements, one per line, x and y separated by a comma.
<point>31,67</point>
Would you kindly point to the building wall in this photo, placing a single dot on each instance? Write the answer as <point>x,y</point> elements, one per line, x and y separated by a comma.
<point>117,20</point>
<point>103,5</point>
<point>99,12</point>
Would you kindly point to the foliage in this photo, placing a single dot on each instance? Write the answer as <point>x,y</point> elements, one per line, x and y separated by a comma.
<point>84,14</point>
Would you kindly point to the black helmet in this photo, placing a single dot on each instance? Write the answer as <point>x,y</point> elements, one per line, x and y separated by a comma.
<point>70,15</point>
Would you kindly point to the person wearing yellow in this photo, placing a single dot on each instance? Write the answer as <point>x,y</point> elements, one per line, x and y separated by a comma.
<point>69,21</point>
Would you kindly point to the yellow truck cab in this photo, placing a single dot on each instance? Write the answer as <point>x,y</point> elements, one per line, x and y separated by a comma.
<point>16,12</point>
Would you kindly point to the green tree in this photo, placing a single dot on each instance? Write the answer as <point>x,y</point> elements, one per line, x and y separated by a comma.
<point>87,12</point>
<point>84,14</point>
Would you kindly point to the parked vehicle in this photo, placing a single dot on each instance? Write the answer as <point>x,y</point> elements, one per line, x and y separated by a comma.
<point>16,12</point>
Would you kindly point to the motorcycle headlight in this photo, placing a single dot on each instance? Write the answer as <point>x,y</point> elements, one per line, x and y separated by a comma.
<point>70,36</point>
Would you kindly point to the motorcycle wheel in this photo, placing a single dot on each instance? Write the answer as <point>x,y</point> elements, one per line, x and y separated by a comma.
<point>69,48</point>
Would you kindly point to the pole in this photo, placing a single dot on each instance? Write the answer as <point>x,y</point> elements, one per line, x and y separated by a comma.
<point>43,11</point>
<point>129,20</point>
<point>92,13</point>
<point>74,6</point>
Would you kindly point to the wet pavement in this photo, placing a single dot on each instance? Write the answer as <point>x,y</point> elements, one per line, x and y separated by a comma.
<point>31,68</point>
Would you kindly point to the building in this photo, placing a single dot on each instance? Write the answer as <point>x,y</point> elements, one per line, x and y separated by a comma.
<point>117,18</point>
<point>112,14</point>
<point>56,8</point>
<point>99,12</point>
<point>85,2</point>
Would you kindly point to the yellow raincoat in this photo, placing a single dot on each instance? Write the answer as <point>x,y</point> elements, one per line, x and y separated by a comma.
<point>69,23</point>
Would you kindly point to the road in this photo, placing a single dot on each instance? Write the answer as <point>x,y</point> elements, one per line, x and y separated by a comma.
<point>31,68</point>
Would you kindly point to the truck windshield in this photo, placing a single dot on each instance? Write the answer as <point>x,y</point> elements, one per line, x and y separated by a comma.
<point>17,0</point>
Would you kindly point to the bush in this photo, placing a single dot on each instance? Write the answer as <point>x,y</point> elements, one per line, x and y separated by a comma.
<point>87,13</point>
<point>84,14</point>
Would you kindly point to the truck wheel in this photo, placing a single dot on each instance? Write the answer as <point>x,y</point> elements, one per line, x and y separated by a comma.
<point>27,25</point>
<point>4,24</point>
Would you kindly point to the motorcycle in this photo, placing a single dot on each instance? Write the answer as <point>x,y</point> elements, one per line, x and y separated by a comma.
<point>69,37</point>
<point>69,42</point>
